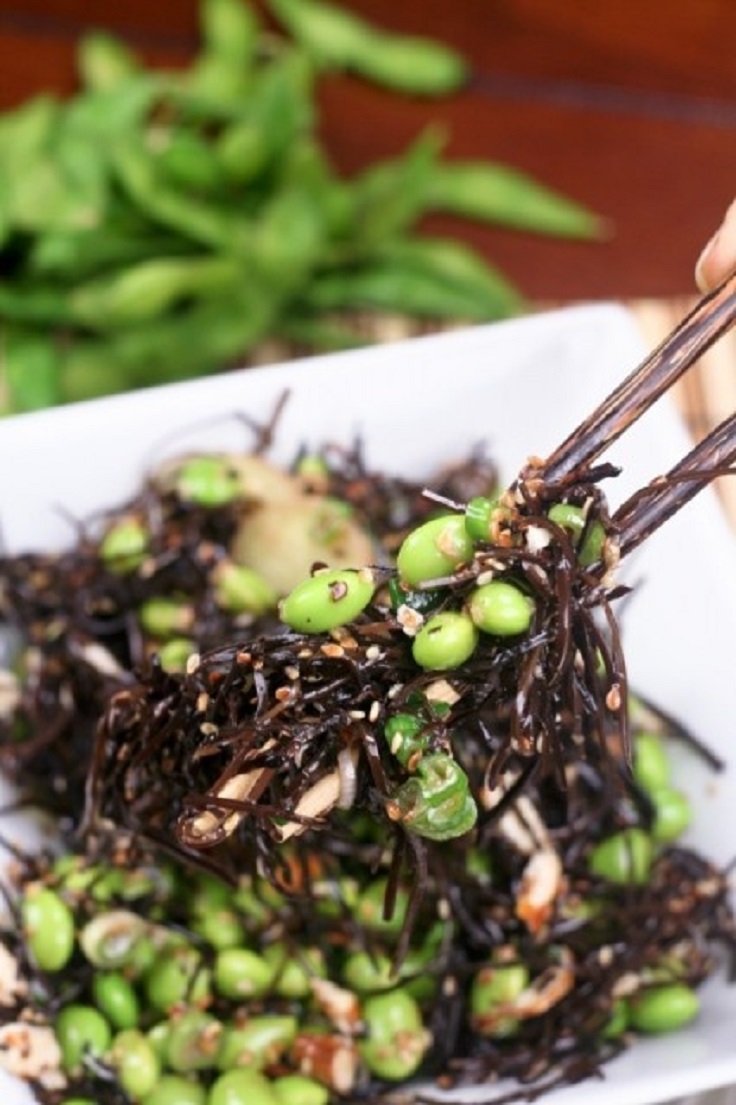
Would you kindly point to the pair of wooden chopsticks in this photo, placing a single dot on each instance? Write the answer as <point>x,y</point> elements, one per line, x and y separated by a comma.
<point>714,456</point>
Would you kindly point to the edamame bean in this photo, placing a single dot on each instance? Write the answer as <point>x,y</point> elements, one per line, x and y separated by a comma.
<point>241,590</point>
<point>166,617</point>
<point>241,1087</point>
<point>664,1009</point>
<point>125,545</point>
<point>369,909</point>
<point>293,974</point>
<point>625,857</point>
<point>48,927</point>
<point>194,1041</point>
<point>82,1031</point>
<point>221,928</point>
<point>116,999</point>
<point>241,973</point>
<point>396,1040</point>
<point>327,600</point>
<point>433,550</point>
<point>258,1043</point>
<point>136,1063</point>
<point>445,641</point>
<point>208,481</point>
<point>177,976</point>
<point>174,654</point>
<point>297,1089</point>
<point>672,814</point>
<point>175,1089</point>
<point>368,974</point>
<point>651,763</point>
<point>501,609</point>
<point>478,517</point>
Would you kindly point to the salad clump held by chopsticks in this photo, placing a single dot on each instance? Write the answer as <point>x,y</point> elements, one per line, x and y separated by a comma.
<point>400,840</point>
<point>160,225</point>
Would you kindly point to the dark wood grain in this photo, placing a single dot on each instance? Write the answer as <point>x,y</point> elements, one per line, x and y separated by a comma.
<point>630,108</point>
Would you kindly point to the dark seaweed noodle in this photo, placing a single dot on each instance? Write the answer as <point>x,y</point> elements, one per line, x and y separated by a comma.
<point>65,605</point>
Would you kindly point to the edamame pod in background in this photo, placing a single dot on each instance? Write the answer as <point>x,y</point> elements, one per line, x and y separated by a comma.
<point>230,30</point>
<point>496,193</point>
<point>104,60</point>
<point>342,40</point>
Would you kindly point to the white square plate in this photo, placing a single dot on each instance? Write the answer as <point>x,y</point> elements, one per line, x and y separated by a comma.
<point>521,386</point>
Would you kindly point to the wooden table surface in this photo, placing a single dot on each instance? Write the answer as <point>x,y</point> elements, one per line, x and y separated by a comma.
<point>628,107</point>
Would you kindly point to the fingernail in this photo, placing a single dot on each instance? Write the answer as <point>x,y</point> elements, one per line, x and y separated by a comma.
<point>700,278</point>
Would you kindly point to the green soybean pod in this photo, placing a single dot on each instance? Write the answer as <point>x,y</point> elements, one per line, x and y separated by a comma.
<point>462,268</point>
<point>495,193</point>
<point>145,291</point>
<point>104,61</point>
<point>48,927</point>
<point>663,1009</point>
<point>327,600</point>
<point>32,369</point>
<point>230,30</point>
<point>410,64</point>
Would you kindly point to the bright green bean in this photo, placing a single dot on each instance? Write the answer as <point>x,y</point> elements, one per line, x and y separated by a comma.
<point>327,600</point>
<point>664,1009</point>
<point>48,927</point>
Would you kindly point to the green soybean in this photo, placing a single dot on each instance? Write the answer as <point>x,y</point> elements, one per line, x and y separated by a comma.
<point>242,590</point>
<point>617,1022</point>
<point>208,481</point>
<point>625,858</point>
<point>498,984</point>
<point>433,550</point>
<point>174,654</point>
<point>651,763</point>
<point>445,641</point>
<point>258,1043</point>
<point>501,609</point>
<point>664,1009</point>
<point>136,1063</point>
<point>241,973</point>
<point>370,908</point>
<point>48,927</point>
<point>116,999</point>
<point>178,976</point>
<point>81,1031</point>
<point>175,1089</point>
<point>672,814</point>
<point>389,1018</point>
<point>242,1087</point>
<point>297,1089</point>
<point>164,617</point>
<point>407,737</point>
<point>124,546</point>
<point>327,600</point>
<point>194,1041</point>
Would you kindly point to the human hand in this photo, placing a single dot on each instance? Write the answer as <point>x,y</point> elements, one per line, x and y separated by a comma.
<point>718,258</point>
